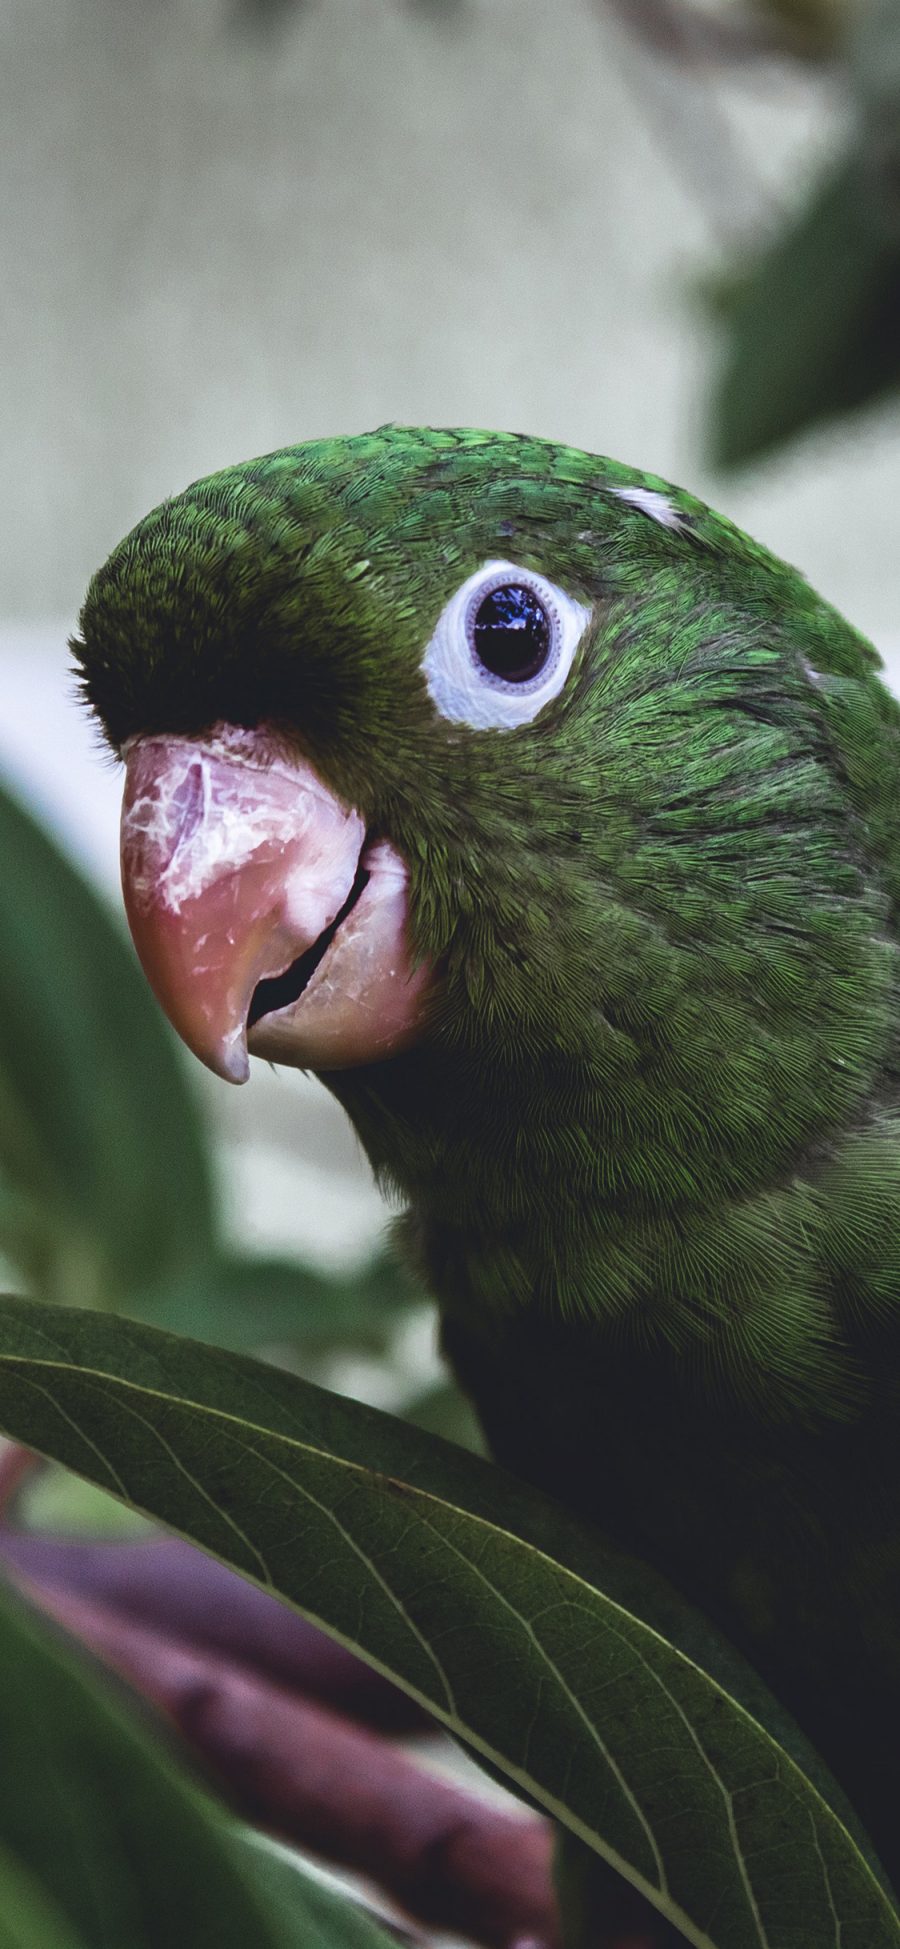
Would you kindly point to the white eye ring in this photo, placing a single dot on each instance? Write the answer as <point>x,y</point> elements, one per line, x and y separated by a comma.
<point>463,688</point>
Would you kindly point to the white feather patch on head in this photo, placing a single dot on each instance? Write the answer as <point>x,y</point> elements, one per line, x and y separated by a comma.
<point>649,501</point>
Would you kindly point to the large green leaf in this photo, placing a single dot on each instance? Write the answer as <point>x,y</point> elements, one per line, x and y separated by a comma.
<point>105,1184</point>
<point>427,1561</point>
<point>106,1844</point>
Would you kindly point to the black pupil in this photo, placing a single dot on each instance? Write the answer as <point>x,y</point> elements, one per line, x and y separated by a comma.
<point>511,632</point>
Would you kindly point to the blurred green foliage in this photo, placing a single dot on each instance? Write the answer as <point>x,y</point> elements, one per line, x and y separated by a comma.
<point>104,1177</point>
<point>811,320</point>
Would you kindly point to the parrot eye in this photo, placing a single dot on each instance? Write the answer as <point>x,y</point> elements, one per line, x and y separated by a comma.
<point>512,633</point>
<point>502,648</point>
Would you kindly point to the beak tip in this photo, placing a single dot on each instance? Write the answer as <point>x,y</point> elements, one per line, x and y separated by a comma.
<point>230,1061</point>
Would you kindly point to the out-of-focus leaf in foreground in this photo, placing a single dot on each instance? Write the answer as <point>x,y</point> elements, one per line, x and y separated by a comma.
<point>313,1915</point>
<point>105,1844</point>
<point>484,1602</point>
<point>28,1918</point>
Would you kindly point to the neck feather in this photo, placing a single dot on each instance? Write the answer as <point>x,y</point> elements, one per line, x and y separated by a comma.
<point>749,1279</point>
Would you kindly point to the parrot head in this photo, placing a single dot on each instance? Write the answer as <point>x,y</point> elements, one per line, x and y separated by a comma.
<point>529,801</point>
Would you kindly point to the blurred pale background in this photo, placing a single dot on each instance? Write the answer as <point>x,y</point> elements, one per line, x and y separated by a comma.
<point>225,229</point>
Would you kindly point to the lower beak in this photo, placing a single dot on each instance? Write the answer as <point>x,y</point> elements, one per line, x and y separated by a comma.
<point>263,918</point>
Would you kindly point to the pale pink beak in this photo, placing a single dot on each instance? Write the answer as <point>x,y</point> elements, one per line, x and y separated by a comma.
<point>240,868</point>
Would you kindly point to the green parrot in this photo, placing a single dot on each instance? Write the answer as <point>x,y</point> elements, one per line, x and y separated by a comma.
<point>556,824</point>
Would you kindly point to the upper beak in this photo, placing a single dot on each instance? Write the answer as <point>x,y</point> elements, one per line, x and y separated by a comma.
<point>261,916</point>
